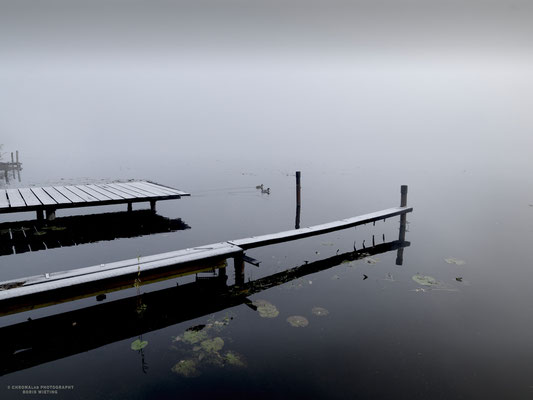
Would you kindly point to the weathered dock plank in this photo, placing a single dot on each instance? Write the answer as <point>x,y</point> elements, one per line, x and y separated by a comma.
<point>15,199</point>
<point>51,198</point>
<point>301,233</point>
<point>29,198</point>
<point>172,190</point>
<point>43,197</point>
<point>74,198</point>
<point>56,195</point>
<point>4,202</point>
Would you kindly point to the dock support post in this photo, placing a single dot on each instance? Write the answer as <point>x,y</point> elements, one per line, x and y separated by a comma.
<point>238,263</point>
<point>152,206</point>
<point>17,157</point>
<point>130,206</point>
<point>403,223</point>
<point>298,200</point>
<point>12,160</point>
<point>50,214</point>
<point>6,176</point>
<point>40,216</point>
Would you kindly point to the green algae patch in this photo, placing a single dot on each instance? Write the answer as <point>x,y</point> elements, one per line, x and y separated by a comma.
<point>193,337</point>
<point>297,321</point>
<point>213,345</point>
<point>138,345</point>
<point>187,368</point>
<point>266,309</point>
<point>234,359</point>
<point>320,311</point>
<point>425,280</point>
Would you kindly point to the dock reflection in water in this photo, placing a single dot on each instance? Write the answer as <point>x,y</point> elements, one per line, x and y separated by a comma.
<point>25,236</point>
<point>38,341</point>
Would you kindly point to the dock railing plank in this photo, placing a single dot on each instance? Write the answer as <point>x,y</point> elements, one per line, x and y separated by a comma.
<point>43,197</point>
<point>15,199</point>
<point>4,202</point>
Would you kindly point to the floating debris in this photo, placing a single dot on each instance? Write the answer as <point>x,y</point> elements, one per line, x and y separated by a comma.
<point>365,276</point>
<point>235,359</point>
<point>389,277</point>
<point>319,311</point>
<point>459,279</point>
<point>266,309</point>
<point>298,321</point>
<point>196,328</point>
<point>425,280</point>
<point>335,277</point>
<point>138,345</point>
<point>213,345</point>
<point>187,368</point>
<point>370,260</point>
<point>454,261</point>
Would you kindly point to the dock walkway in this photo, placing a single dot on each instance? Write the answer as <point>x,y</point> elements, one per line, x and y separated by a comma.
<point>48,199</point>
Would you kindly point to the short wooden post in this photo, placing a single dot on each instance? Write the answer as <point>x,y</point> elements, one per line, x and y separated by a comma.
<point>12,160</point>
<point>50,214</point>
<point>298,200</point>
<point>152,205</point>
<point>403,200</point>
<point>6,176</point>
<point>17,157</point>
<point>130,206</point>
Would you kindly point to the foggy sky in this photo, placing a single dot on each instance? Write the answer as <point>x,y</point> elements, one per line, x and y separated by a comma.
<point>431,71</point>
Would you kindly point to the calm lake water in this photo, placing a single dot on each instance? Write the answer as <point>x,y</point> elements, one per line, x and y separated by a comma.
<point>384,336</point>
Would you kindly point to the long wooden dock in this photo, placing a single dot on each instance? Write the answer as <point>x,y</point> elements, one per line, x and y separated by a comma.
<point>47,199</point>
<point>51,288</point>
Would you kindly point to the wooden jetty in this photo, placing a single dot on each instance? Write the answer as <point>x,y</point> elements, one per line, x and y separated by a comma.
<point>41,340</point>
<point>53,288</point>
<point>48,199</point>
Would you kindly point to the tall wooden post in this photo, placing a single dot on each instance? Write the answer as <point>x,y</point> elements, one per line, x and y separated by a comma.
<point>298,200</point>
<point>17,157</point>
<point>12,160</point>
<point>403,223</point>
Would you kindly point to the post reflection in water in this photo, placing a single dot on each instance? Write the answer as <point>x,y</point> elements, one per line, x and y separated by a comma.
<point>38,341</point>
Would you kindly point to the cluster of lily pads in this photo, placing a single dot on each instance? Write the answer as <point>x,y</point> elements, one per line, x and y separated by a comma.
<point>269,310</point>
<point>428,282</point>
<point>203,348</point>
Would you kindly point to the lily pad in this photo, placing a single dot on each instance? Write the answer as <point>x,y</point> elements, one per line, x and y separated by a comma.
<point>298,321</point>
<point>193,337</point>
<point>186,368</point>
<point>234,359</point>
<point>425,280</point>
<point>266,309</point>
<point>320,311</point>
<point>138,345</point>
<point>454,261</point>
<point>213,345</point>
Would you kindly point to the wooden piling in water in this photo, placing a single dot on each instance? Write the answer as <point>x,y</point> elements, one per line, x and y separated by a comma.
<point>403,224</point>
<point>298,200</point>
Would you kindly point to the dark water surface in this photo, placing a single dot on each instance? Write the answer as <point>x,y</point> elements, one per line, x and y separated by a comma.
<point>459,140</point>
